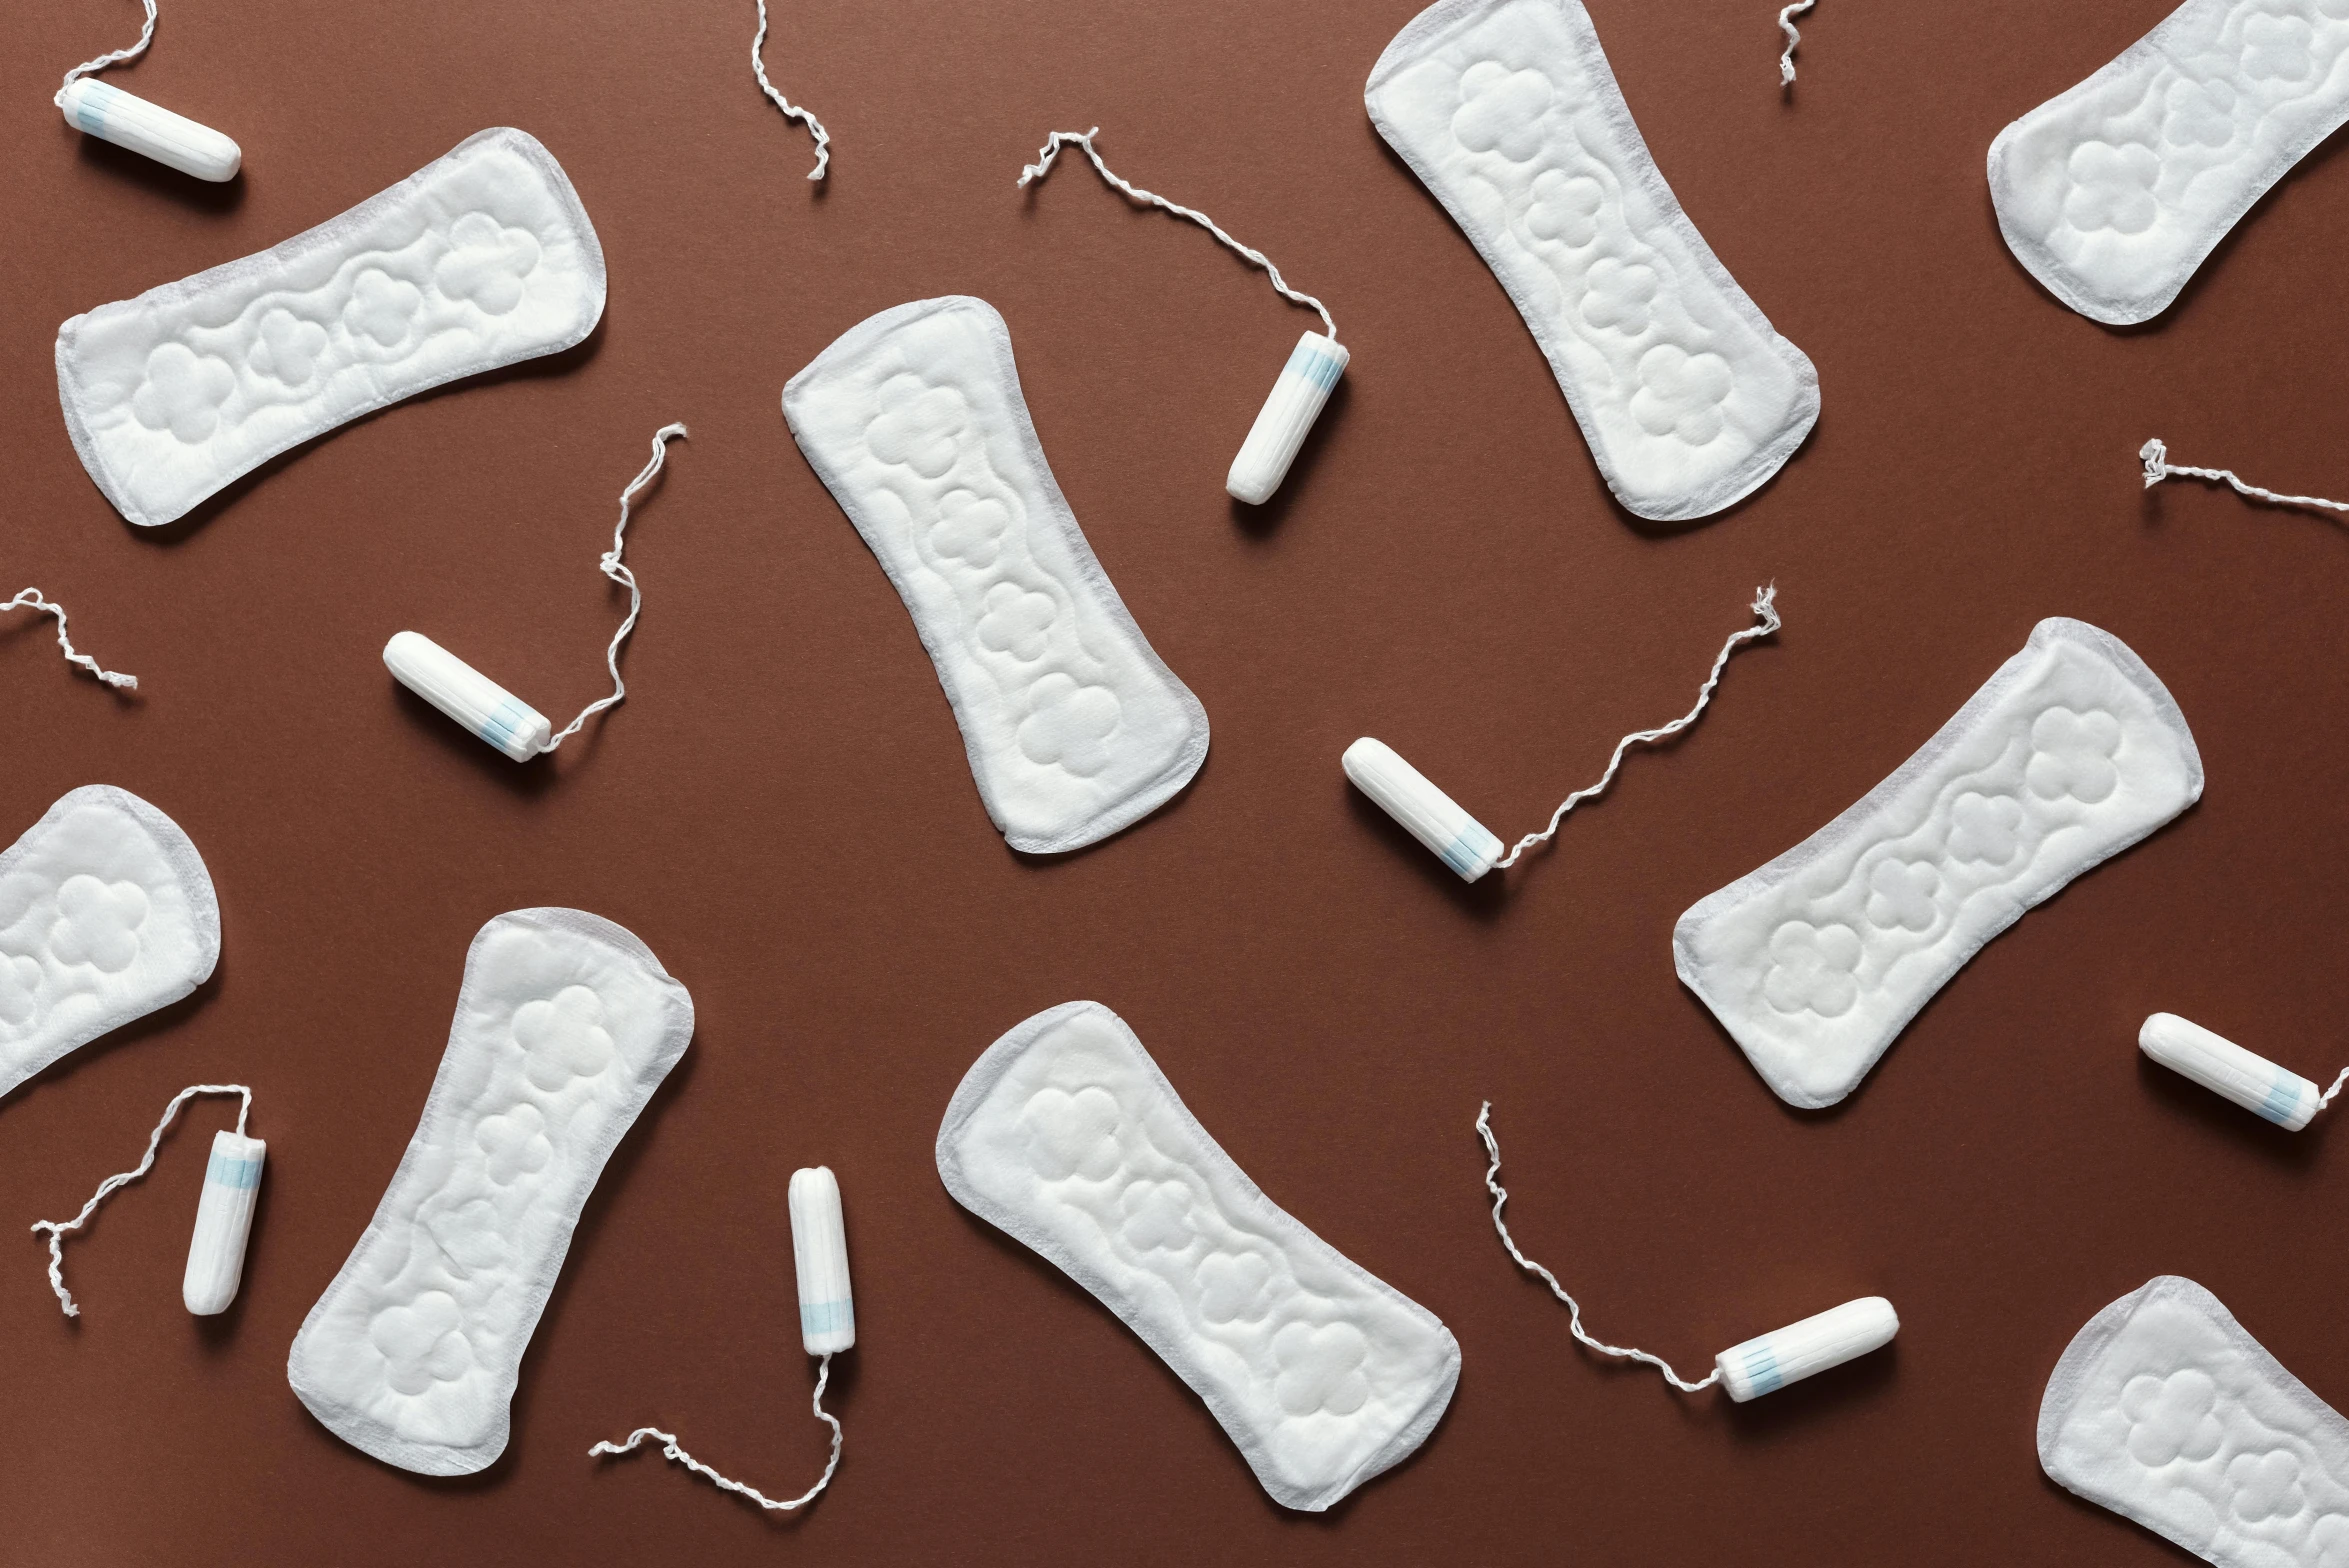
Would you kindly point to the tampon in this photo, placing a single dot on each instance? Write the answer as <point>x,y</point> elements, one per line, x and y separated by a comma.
<point>224,1218</point>
<point>1788,1355</point>
<point>127,120</point>
<point>1286,418</point>
<point>1433,817</point>
<point>466,695</point>
<point>819,1254</point>
<point>2223,1067</point>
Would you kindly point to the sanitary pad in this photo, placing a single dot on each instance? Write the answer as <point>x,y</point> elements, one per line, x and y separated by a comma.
<point>1074,725</point>
<point>2070,753</point>
<point>565,1026</point>
<point>478,260</point>
<point>2113,193</point>
<point>1508,112</point>
<point>106,914</point>
<point>1066,1135</point>
<point>2165,1410</point>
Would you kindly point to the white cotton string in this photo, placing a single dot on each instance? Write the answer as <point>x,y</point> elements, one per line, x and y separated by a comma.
<point>146,36</point>
<point>58,1228</point>
<point>671,1447</point>
<point>1765,606</point>
<point>2159,467</point>
<point>1051,150</point>
<point>1484,1126</point>
<point>2327,1097</point>
<point>1786,25</point>
<point>758,47</point>
<point>30,599</point>
<point>626,579</point>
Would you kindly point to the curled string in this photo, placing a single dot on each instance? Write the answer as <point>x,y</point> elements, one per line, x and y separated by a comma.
<point>146,37</point>
<point>758,47</point>
<point>58,1228</point>
<point>2159,467</point>
<point>1764,606</point>
<point>1051,151</point>
<point>1793,37</point>
<point>620,574</point>
<point>2327,1097</point>
<point>1484,1127</point>
<point>30,599</point>
<point>671,1447</point>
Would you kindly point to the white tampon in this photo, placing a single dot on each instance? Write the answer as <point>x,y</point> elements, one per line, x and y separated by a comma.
<point>1788,1355</point>
<point>1433,817</point>
<point>819,1254</point>
<point>466,695</point>
<point>127,120</point>
<point>224,1218</point>
<point>2223,1067</point>
<point>1287,417</point>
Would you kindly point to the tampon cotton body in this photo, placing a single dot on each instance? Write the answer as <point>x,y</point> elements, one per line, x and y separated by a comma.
<point>2223,1067</point>
<point>1771,1361</point>
<point>819,1255</point>
<point>466,695</point>
<point>1434,818</point>
<point>127,120</point>
<point>1287,417</point>
<point>224,1218</point>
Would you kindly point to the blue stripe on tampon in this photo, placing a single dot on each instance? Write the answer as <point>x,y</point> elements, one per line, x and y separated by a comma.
<point>827,1317</point>
<point>1761,1369</point>
<point>500,728</point>
<point>1474,843</point>
<point>91,110</point>
<point>225,1171</point>
<point>2283,1098</point>
<point>1314,363</point>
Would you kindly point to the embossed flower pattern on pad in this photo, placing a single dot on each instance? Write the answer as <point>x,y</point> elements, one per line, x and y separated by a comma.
<point>1501,110</point>
<point>1017,621</point>
<point>1619,297</point>
<point>287,348</point>
<point>422,1343</point>
<point>969,527</point>
<point>1900,895</point>
<point>1070,724</point>
<point>1985,829</point>
<point>2112,188</point>
<point>98,923</point>
<point>563,1038</point>
<point>2201,114</point>
<point>182,392</point>
<point>1157,1216</point>
<point>1681,393</point>
<point>1565,208</point>
<point>918,426</point>
<point>2275,48</point>
<point>2072,754</point>
<point>2172,1417</point>
<point>2265,1486</point>
<point>1072,1134</point>
<point>486,263</point>
<point>1321,1369</point>
<point>382,308</point>
<point>20,990</point>
<point>1232,1287</point>
<point>1812,969</point>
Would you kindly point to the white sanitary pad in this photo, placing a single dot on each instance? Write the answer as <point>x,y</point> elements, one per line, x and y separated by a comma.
<point>2070,753</point>
<point>1066,1135</point>
<point>478,260</point>
<point>2114,192</point>
<point>1508,111</point>
<point>106,914</point>
<point>2165,1410</point>
<point>1074,725</point>
<point>565,1026</point>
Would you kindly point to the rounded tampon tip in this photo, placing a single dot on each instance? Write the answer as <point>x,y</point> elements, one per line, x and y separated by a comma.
<point>462,692</point>
<point>1430,815</point>
<point>1287,418</point>
<point>2227,1069</point>
<point>819,1255</point>
<point>129,121</point>
<point>1769,1362</point>
<point>224,1219</point>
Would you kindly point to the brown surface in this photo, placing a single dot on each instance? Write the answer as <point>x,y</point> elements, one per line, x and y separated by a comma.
<point>783,812</point>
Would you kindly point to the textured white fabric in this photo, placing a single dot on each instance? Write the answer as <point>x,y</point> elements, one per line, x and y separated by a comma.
<point>1508,111</point>
<point>106,914</point>
<point>1066,1134</point>
<point>480,259</point>
<point>2114,192</point>
<point>565,1025</point>
<point>2162,1408</point>
<point>1075,727</point>
<point>2070,753</point>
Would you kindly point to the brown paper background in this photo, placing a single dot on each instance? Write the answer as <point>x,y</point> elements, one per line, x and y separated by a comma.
<point>782,808</point>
